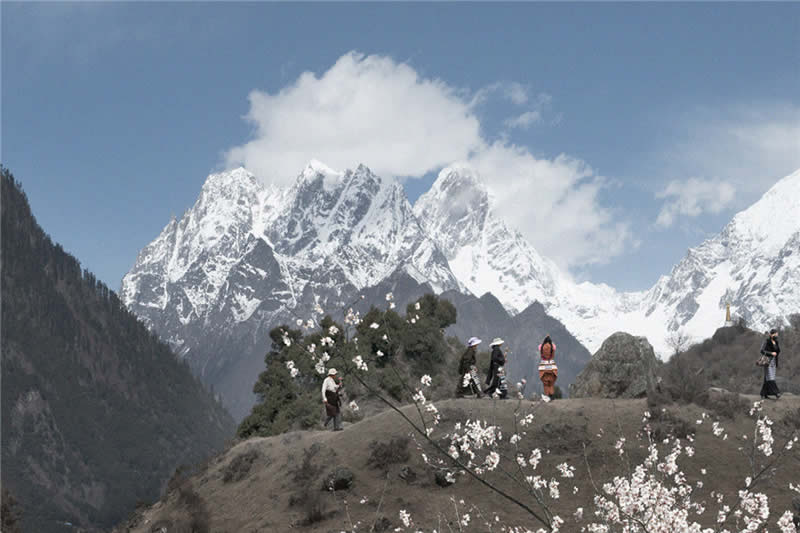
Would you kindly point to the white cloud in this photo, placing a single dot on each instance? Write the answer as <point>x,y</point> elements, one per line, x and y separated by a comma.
<point>533,116</point>
<point>554,203</point>
<point>525,120</point>
<point>749,147</point>
<point>516,93</point>
<point>373,110</point>
<point>692,198</point>
<point>366,109</point>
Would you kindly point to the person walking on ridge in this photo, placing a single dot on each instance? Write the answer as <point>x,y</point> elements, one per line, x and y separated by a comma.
<point>468,372</point>
<point>548,370</point>
<point>331,400</point>
<point>771,349</point>
<point>496,371</point>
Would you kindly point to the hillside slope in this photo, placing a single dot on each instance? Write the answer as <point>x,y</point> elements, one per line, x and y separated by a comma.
<point>274,484</point>
<point>96,411</point>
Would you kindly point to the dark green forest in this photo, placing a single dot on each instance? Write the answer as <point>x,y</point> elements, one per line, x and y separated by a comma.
<point>97,412</point>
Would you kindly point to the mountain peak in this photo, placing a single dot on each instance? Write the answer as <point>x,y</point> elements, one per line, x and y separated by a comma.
<point>460,176</point>
<point>317,170</point>
<point>771,221</point>
<point>223,182</point>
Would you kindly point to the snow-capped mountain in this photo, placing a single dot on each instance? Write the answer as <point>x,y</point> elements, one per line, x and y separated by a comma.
<point>753,264</point>
<point>247,256</point>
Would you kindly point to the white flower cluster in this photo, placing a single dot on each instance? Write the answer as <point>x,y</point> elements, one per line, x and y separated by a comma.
<point>566,470</point>
<point>765,432</point>
<point>352,318</point>
<point>327,341</point>
<point>786,523</point>
<point>405,517</point>
<point>360,364</point>
<point>353,406</point>
<point>292,369</point>
<point>472,436</point>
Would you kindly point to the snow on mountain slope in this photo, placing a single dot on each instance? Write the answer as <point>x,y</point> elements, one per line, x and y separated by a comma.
<point>247,256</point>
<point>483,252</point>
<point>754,264</point>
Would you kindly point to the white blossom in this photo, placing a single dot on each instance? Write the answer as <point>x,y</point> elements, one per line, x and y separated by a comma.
<point>292,370</point>
<point>360,364</point>
<point>492,460</point>
<point>566,470</point>
<point>404,516</point>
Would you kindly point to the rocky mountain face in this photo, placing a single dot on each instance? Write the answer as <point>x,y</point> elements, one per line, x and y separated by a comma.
<point>96,411</point>
<point>753,264</point>
<point>247,257</point>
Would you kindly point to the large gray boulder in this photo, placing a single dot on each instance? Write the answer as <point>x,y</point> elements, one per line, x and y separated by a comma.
<point>623,367</point>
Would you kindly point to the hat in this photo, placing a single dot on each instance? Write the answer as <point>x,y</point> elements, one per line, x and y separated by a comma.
<point>497,341</point>
<point>474,341</point>
<point>331,371</point>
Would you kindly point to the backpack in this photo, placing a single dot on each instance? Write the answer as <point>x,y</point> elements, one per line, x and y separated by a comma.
<point>547,351</point>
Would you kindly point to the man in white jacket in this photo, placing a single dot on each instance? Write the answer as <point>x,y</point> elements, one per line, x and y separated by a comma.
<point>331,401</point>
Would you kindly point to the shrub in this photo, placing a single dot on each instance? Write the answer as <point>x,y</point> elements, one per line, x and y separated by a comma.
<point>727,404</point>
<point>307,470</point>
<point>684,380</point>
<point>384,454</point>
<point>665,424</point>
<point>195,507</point>
<point>313,507</point>
<point>239,467</point>
<point>10,513</point>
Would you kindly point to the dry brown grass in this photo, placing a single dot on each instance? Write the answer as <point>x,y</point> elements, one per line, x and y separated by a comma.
<point>261,501</point>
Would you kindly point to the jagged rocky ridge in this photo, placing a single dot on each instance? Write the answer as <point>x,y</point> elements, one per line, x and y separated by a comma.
<point>247,257</point>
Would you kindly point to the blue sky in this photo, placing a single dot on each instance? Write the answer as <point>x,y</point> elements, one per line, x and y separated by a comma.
<point>670,117</point>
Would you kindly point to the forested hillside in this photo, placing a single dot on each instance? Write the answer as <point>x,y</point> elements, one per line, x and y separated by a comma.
<point>96,411</point>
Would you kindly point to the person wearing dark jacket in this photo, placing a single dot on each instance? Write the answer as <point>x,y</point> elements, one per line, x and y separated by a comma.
<point>772,350</point>
<point>468,372</point>
<point>496,367</point>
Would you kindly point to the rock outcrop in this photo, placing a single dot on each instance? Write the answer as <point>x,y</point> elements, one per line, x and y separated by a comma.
<point>623,367</point>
